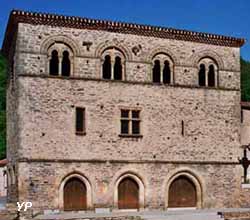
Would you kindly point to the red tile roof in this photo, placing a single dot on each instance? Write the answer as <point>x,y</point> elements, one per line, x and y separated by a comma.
<point>17,16</point>
<point>245,104</point>
<point>3,162</point>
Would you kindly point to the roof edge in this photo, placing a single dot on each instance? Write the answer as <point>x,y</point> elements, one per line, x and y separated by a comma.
<point>36,18</point>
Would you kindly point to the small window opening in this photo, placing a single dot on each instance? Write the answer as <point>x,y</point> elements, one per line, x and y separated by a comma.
<point>118,69</point>
<point>166,73</point>
<point>202,75</point>
<point>106,67</point>
<point>65,64</point>
<point>135,122</point>
<point>54,64</point>
<point>157,72</point>
<point>182,128</point>
<point>80,120</point>
<point>211,76</point>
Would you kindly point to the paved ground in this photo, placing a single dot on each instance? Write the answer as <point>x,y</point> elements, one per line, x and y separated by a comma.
<point>2,202</point>
<point>147,215</point>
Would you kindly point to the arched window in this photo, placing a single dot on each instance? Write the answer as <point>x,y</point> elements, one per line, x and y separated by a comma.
<point>157,72</point>
<point>54,63</point>
<point>113,66</point>
<point>211,76</point>
<point>106,68</point>
<point>118,69</point>
<point>65,64</point>
<point>60,59</point>
<point>202,75</point>
<point>162,71</point>
<point>208,72</point>
<point>166,73</point>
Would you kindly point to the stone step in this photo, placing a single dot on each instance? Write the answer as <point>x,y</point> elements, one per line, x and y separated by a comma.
<point>185,216</point>
<point>134,216</point>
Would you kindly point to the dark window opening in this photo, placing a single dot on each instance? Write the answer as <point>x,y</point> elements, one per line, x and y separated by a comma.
<point>182,128</point>
<point>80,120</point>
<point>202,75</point>
<point>157,72</point>
<point>118,69</point>
<point>54,64</point>
<point>135,127</point>
<point>65,64</point>
<point>135,114</point>
<point>106,68</point>
<point>124,126</point>
<point>124,113</point>
<point>211,76</point>
<point>166,73</point>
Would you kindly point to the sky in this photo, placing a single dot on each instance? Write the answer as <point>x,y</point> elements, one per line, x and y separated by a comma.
<point>226,17</point>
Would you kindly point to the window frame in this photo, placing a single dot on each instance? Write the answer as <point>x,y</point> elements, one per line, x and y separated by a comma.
<point>60,48</point>
<point>207,62</point>
<point>162,58</point>
<point>130,120</point>
<point>114,52</point>
<point>83,132</point>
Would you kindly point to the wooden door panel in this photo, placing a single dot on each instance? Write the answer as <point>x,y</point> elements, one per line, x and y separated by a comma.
<point>182,193</point>
<point>128,194</point>
<point>75,195</point>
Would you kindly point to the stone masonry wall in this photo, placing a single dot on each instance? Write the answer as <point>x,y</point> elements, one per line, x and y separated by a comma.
<point>47,121</point>
<point>219,182</point>
<point>34,40</point>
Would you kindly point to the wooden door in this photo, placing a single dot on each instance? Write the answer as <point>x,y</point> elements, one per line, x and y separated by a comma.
<point>182,193</point>
<point>75,195</point>
<point>128,194</point>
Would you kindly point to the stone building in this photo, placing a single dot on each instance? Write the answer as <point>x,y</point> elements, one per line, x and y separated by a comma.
<point>3,179</point>
<point>113,115</point>
<point>245,131</point>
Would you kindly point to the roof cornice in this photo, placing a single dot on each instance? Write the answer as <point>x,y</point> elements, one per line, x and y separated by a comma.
<point>17,16</point>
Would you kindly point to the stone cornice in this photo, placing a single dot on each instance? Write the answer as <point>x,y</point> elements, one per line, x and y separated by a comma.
<point>17,16</point>
<point>43,160</point>
<point>126,82</point>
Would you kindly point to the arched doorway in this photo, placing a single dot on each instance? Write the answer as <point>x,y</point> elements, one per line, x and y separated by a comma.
<point>75,195</point>
<point>128,194</point>
<point>182,193</point>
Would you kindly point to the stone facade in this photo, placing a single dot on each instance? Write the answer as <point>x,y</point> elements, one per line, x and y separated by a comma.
<point>186,130</point>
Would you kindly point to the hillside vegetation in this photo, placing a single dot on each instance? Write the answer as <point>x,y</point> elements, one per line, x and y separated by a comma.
<point>245,96</point>
<point>245,80</point>
<point>3,71</point>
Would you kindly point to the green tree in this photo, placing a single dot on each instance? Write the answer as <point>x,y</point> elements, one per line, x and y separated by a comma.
<point>3,71</point>
<point>245,80</point>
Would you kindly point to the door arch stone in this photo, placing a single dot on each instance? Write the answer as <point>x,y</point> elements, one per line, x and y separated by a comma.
<point>191,179</point>
<point>128,194</point>
<point>182,193</point>
<point>84,181</point>
<point>141,189</point>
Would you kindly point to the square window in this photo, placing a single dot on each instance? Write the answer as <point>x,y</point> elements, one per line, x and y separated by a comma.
<point>130,122</point>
